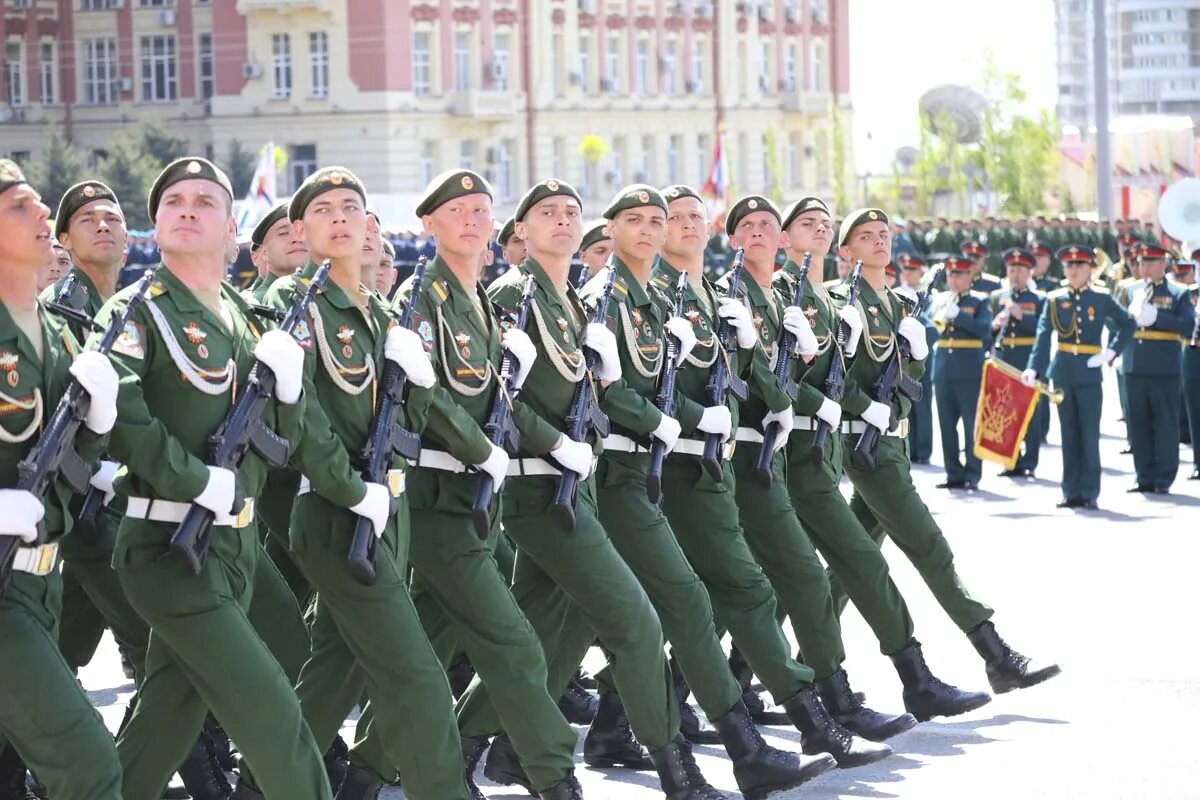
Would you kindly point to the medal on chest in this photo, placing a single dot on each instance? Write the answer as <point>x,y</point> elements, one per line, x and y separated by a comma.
<point>345,335</point>
<point>463,340</point>
<point>873,312</point>
<point>196,336</point>
<point>8,363</point>
<point>635,315</point>
<point>1091,314</point>
<point>562,328</point>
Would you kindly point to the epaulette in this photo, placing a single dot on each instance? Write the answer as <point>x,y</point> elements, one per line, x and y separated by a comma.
<point>157,288</point>
<point>661,282</point>
<point>438,292</point>
<point>842,292</point>
<point>978,295</point>
<point>1061,291</point>
<point>1099,288</point>
<point>619,286</point>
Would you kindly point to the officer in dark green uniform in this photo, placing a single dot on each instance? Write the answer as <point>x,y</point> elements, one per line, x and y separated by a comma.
<point>281,250</point>
<point>1151,366</point>
<point>179,361</point>
<point>885,499</point>
<point>458,575</point>
<point>1015,313</point>
<point>965,321</point>
<point>44,713</point>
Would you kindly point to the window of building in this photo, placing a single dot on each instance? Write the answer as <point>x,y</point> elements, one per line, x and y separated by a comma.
<point>47,64</point>
<point>14,72</point>
<point>645,174</point>
<point>466,154</point>
<point>421,74</point>
<point>281,63</point>
<point>318,63</point>
<point>616,161</point>
<point>425,165</point>
<point>97,5</point>
<point>462,61</point>
<point>697,69</point>
<point>674,151</point>
<point>585,62</point>
<point>641,68</point>
<point>791,58</point>
<point>156,3</point>
<point>204,64</point>
<point>816,73</point>
<point>612,62</point>
<point>159,81</point>
<point>703,154</point>
<point>504,169</point>
<point>99,71</point>
<point>302,162</point>
<point>501,55</point>
<point>764,65</point>
<point>670,67</point>
<point>558,58</point>
<point>558,158</point>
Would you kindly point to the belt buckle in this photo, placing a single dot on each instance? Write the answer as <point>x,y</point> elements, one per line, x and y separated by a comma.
<point>47,554</point>
<point>395,481</point>
<point>245,516</point>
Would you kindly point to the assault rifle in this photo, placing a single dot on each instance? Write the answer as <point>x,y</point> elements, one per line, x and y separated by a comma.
<point>721,380</point>
<point>835,382</point>
<point>664,398</point>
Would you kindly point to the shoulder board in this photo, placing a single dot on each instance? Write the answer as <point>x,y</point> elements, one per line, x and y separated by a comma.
<point>661,282</point>
<point>1061,291</point>
<point>979,295</point>
<point>1098,289</point>
<point>620,287</point>
<point>438,292</point>
<point>157,288</point>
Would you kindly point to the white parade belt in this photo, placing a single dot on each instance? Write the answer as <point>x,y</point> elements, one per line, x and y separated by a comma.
<point>40,560</point>
<point>171,511</point>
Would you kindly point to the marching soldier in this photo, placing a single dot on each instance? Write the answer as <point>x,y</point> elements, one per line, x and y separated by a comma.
<point>1151,366</point>
<point>511,243</point>
<point>1076,316</point>
<point>885,499</point>
<point>965,321</point>
<point>975,257</point>
<point>275,243</point>
<point>44,713</point>
<point>1043,254</point>
<point>920,432</point>
<point>594,249</point>
<point>1015,314</point>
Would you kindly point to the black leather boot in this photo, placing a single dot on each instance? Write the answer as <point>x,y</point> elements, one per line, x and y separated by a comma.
<point>681,779</point>
<point>750,698</point>
<point>244,792</point>
<point>223,749</point>
<point>925,695</point>
<point>202,774</point>
<point>610,742</point>
<point>12,776</point>
<point>820,733</point>
<point>690,725</point>
<point>577,704</point>
<point>472,751</point>
<point>503,766</point>
<point>1006,668</point>
<point>337,761</point>
<point>852,715</point>
<point>758,768</point>
<point>460,676</point>
<point>564,790</point>
<point>360,784</point>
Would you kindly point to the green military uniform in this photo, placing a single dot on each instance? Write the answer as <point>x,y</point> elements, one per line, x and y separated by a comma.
<point>178,363</point>
<point>1078,319</point>
<point>1014,348</point>
<point>462,334</point>
<point>44,713</point>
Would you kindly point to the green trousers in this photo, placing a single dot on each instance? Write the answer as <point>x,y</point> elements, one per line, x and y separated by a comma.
<point>887,494</point>
<point>857,568</point>
<point>204,653</point>
<point>460,576</point>
<point>274,511</point>
<point>44,712</point>
<point>783,549</point>
<point>643,537</point>
<point>573,583</point>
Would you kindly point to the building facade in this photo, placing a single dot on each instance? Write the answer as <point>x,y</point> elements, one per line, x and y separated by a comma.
<point>399,91</point>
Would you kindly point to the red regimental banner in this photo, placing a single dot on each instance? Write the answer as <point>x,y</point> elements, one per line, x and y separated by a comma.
<point>1006,406</point>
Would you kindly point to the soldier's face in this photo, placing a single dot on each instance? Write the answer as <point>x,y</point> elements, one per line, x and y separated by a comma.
<point>1153,269</point>
<point>810,231</point>
<point>284,251</point>
<point>1018,276</point>
<point>871,242</point>
<point>194,219</point>
<point>335,225</point>
<point>687,227</point>
<point>911,276</point>
<point>1078,273</point>
<point>553,226</point>
<point>372,243</point>
<point>596,256</point>
<point>96,234</point>
<point>958,282</point>
<point>385,275</point>
<point>1043,264</point>
<point>759,234</point>
<point>639,233</point>
<point>463,226</point>
<point>58,266</point>
<point>516,250</point>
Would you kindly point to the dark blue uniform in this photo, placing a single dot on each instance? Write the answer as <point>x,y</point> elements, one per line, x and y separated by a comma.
<point>1077,319</point>
<point>957,367</point>
<point>1014,348</point>
<point>1152,370</point>
<point>1191,384</point>
<point>920,419</point>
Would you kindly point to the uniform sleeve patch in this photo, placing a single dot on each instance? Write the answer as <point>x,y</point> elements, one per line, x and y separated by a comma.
<point>131,342</point>
<point>303,334</point>
<point>425,331</point>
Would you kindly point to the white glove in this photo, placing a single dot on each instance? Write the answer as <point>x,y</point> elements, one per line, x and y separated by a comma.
<point>218,494</point>
<point>912,329</point>
<point>667,432</point>
<point>786,422</point>
<point>1001,319</point>
<point>376,506</point>
<point>850,316</point>
<point>283,355</point>
<point>718,420</point>
<point>573,455</point>
<point>406,350</point>
<point>1029,378</point>
<point>521,347</point>
<point>102,479</point>
<point>1146,315</point>
<point>830,412</point>
<point>878,415</point>
<point>681,329</point>
<point>950,312</point>
<point>22,513</point>
<point>600,340</point>
<point>907,292</point>
<point>96,375</point>
<point>737,315</point>
<point>796,323</point>
<point>1101,359</point>
<point>495,465</point>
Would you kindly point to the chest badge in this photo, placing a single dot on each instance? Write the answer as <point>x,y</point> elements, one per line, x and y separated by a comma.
<point>562,328</point>
<point>874,313</point>
<point>8,363</point>
<point>463,340</point>
<point>811,313</point>
<point>758,320</point>
<point>636,316</point>
<point>345,335</point>
<point>1091,314</point>
<point>1064,305</point>
<point>196,336</point>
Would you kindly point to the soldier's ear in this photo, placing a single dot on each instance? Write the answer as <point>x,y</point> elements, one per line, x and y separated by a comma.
<point>783,240</point>
<point>298,229</point>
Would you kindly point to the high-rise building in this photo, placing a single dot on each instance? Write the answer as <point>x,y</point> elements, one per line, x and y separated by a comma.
<point>400,90</point>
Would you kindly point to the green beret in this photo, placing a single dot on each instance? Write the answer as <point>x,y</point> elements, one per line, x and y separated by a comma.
<point>10,174</point>
<point>748,205</point>
<point>76,198</point>
<point>594,232</point>
<point>506,231</point>
<point>260,230</point>
<point>809,203</point>
<point>323,180</point>
<point>389,249</point>
<point>449,186</point>
<point>679,191</point>
<point>860,217</point>
<point>547,188</point>
<point>184,169</point>
<point>634,196</point>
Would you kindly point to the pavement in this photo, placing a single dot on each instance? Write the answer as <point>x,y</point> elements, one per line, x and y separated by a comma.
<point>1108,595</point>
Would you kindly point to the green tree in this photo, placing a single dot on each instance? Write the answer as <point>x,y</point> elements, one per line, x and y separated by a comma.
<point>1018,152</point>
<point>130,172</point>
<point>841,193</point>
<point>162,145</point>
<point>239,164</point>
<point>59,168</point>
